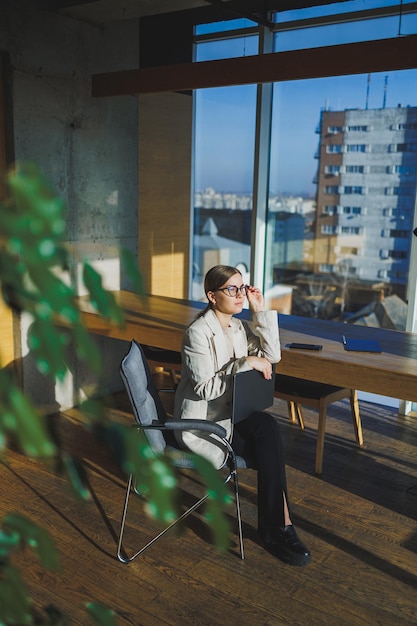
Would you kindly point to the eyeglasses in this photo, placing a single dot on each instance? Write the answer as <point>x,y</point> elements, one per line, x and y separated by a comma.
<point>232,290</point>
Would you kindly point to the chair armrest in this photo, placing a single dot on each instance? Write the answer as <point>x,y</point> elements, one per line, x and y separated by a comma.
<point>204,425</point>
<point>185,424</point>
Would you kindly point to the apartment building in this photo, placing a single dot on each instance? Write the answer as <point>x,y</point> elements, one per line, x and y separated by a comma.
<point>366,193</point>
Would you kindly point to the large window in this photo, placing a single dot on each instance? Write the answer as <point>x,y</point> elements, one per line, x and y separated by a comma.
<point>223,176</point>
<point>224,137</point>
<point>336,191</point>
<point>344,22</point>
<point>340,174</point>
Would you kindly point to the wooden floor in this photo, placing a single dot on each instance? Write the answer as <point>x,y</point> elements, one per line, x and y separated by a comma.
<point>359,520</point>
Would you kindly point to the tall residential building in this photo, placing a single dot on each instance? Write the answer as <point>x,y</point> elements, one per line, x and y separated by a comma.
<point>366,193</point>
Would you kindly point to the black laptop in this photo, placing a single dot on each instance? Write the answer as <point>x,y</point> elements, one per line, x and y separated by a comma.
<point>251,392</point>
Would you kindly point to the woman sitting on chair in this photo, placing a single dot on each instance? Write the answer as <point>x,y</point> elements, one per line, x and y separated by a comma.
<point>215,347</point>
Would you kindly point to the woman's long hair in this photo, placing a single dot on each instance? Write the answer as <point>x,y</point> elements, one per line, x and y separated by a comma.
<point>214,279</point>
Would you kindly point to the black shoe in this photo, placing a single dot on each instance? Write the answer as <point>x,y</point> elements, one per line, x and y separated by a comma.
<point>289,548</point>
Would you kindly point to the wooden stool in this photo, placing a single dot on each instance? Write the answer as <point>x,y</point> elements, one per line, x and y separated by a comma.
<point>297,392</point>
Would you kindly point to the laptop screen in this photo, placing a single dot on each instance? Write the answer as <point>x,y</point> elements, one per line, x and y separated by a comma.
<point>251,392</point>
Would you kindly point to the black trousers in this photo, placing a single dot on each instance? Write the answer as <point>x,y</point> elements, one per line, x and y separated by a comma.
<point>258,440</point>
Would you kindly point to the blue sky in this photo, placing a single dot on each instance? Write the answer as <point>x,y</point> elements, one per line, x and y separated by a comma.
<point>225,139</point>
<point>226,117</point>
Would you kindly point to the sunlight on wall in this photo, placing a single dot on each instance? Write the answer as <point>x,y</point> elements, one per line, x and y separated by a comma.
<point>109,269</point>
<point>104,259</point>
<point>167,275</point>
<point>6,335</point>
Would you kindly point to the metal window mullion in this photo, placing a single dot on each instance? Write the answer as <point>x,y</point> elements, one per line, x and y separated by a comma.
<point>411,323</point>
<point>346,18</point>
<point>226,35</point>
<point>261,170</point>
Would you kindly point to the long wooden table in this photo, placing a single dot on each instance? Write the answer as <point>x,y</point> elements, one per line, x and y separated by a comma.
<point>160,322</point>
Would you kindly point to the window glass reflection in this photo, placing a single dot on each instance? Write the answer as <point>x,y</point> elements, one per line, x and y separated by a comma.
<point>342,195</point>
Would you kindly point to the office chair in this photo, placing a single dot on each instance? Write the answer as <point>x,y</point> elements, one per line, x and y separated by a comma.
<point>151,417</point>
<point>297,392</point>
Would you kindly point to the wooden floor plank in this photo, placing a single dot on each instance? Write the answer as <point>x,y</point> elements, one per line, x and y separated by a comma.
<point>359,519</point>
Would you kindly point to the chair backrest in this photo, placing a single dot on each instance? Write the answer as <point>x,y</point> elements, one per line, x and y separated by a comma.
<point>143,395</point>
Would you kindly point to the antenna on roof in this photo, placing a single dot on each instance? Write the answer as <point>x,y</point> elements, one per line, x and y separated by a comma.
<point>367,91</point>
<point>384,102</point>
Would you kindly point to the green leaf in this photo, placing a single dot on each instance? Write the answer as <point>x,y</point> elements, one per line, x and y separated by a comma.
<point>154,475</point>
<point>101,614</point>
<point>32,192</point>
<point>219,497</point>
<point>78,477</point>
<point>28,426</point>
<point>130,268</point>
<point>9,542</point>
<point>87,349</point>
<point>93,409</point>
<point>48,345</point>
<point>54,293</point>
<point>104,301</point>
<point>14,599</point>
<point>33,536</point>
<point>55,617</point>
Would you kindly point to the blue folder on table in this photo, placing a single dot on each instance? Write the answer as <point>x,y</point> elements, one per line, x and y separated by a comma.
<point>361,345</point>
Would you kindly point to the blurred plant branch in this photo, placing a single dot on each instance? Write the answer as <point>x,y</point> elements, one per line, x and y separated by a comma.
<point>35,280</point>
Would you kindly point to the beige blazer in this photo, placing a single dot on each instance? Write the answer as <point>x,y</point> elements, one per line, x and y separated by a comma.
<point>205,390</point>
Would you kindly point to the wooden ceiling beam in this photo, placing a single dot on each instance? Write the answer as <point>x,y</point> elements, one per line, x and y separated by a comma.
<point>356,58</point>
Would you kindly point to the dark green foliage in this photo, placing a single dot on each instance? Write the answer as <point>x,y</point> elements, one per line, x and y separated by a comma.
<point>34,279</point>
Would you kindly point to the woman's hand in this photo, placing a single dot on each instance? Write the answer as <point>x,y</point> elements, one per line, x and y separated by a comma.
<point>261,364</point>
<point>255,299</point>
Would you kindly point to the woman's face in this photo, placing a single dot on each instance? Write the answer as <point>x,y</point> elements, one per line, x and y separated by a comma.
<point>223,301</point>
